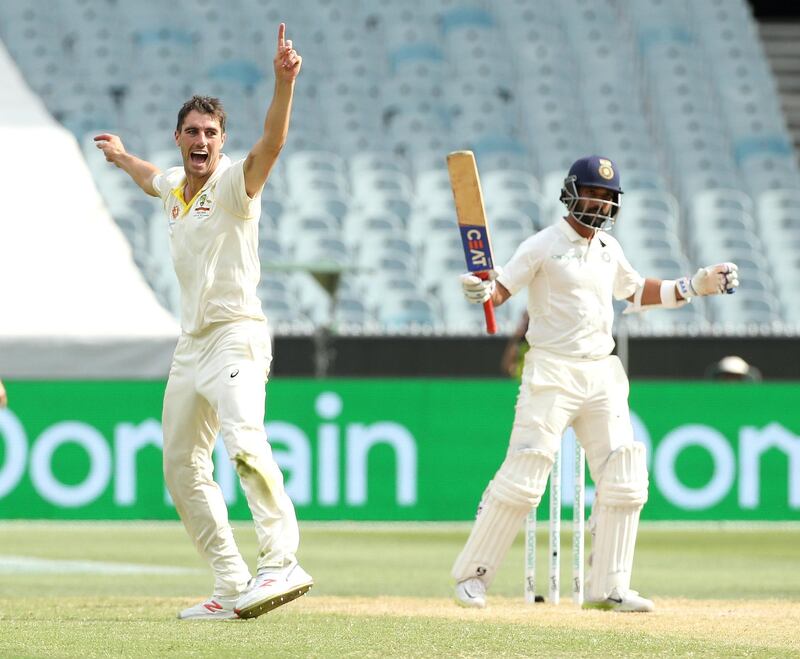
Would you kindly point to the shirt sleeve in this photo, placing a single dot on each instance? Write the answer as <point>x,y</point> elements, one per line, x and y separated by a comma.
<point>523,266</point>
<point>160,185</point>
<point>165,182</point>
<point>232,195</point>
<point>627,280</point>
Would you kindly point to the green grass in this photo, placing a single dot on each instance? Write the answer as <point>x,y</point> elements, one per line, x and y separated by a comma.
<point>89,633</point>
<point>93,615</point>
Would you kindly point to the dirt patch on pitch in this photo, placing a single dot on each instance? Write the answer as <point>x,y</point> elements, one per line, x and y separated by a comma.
<point>760,623</point>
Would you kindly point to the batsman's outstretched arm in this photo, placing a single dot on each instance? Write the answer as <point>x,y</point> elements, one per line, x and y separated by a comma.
<point>3,396</point>
<point>673,293</point>
<point>264,154</point>
<point>141,171</point>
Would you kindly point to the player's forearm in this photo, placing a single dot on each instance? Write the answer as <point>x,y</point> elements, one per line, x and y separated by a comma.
<point>652,292</point>
<point>264,153</point>
<point>141,171</point>
<point>276,123</point>
<point>500,294</point>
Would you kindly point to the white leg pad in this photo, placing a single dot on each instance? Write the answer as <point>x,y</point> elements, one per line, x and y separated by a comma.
<point>516,488</point>
<point>621,494</point>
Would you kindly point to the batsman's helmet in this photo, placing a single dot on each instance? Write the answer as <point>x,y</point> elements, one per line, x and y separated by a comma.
<point>595,172</point>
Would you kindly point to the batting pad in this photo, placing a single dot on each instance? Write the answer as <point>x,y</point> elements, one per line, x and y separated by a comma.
<point>621,494</point>
<point>517,486</point>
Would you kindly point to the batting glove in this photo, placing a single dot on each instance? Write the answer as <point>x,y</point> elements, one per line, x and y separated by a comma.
<point>711,280</point>
<point>478,290</point>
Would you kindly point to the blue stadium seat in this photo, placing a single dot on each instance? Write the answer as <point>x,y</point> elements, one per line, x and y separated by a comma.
<point>406,56</point>
<point>243,72</point>
<point>465,17</point>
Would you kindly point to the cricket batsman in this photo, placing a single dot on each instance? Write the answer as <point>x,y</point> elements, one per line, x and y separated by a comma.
<point>220,367</point>
<point>571,271</point>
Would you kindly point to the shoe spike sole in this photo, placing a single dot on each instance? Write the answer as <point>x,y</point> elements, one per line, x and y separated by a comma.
<point>273,603</point>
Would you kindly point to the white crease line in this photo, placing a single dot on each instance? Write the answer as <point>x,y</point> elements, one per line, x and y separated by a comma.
<point>29,565</point>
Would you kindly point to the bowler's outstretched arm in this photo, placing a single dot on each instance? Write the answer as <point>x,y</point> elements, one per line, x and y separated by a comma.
<point>141,171</point>
<point>264,154</point>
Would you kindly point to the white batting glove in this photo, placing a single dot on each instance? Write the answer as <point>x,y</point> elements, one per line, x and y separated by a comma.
<point>711,280</point>
<point>478,290</point>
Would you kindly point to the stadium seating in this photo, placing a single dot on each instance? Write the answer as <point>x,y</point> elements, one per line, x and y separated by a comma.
<point>679,93</point>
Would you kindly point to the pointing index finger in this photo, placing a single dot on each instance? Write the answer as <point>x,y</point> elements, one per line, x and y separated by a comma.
<point>281,36</point>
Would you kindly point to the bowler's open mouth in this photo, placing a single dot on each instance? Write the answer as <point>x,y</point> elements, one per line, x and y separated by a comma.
<point>199,157</point>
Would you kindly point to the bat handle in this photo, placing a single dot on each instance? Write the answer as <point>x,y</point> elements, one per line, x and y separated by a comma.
<point>488,309</point>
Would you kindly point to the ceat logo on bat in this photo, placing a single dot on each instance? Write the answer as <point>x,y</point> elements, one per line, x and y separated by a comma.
<point>476,248</point>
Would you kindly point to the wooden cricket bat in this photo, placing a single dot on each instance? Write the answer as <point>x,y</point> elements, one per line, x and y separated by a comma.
<point>472,221</point>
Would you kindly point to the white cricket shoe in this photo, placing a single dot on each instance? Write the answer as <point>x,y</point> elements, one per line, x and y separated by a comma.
<point>214,608</point>
<point>272,588</point>
<point>631,602</point>
<point>471,593</point>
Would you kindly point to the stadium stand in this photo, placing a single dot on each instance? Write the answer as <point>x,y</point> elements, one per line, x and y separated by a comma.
<point>679,93</point>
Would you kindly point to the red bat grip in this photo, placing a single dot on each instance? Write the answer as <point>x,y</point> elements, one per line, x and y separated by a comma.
<point>488,309</point>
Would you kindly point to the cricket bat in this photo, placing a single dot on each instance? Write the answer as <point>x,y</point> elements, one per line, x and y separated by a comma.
<point>472,221</point>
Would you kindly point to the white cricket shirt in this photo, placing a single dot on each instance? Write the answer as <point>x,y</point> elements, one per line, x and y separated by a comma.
<point>214,245</point>
<point>571,282</point>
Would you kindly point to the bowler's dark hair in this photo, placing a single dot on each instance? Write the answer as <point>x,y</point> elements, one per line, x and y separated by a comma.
<point>204,105</point>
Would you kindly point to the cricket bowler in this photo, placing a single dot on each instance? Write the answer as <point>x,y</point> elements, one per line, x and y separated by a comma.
<point>222,359</point>
<point>571,271</point>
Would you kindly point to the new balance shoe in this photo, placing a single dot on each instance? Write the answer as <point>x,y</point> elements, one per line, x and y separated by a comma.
<point>214,608</point>
<point>631,602</point>
<point>271,589</point>
<point>471,593</point>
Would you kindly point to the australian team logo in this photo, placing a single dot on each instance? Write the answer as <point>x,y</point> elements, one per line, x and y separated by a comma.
<point>175,211</point>
<point>606,170</point>
<point>203,207</point>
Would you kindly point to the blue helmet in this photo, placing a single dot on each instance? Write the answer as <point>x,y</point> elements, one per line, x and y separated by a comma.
<point>595,172</point>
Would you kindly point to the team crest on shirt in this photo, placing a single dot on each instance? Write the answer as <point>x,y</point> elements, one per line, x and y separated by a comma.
<point>173,216</point>
<point>204,207</point>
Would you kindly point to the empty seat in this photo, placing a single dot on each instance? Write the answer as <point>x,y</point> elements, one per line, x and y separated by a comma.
<point>416,57</point>
<point>352,312</point>
<point>245,73</point>
<point>301,164</point>
<point>378,224</point>
<point>367,161</point>
<point>432,183</point>
<point>318,182</point>
<point>377,183</point>
<point>322,250</point>
<point>269,250</point>
<point>511,223</point>
<point>300,226</point>
<point>407,313</point>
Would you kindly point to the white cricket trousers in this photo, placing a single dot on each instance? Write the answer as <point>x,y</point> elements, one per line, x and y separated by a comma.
<point>556,392</point>
<point>590,395</point>
<point>217,384</point>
